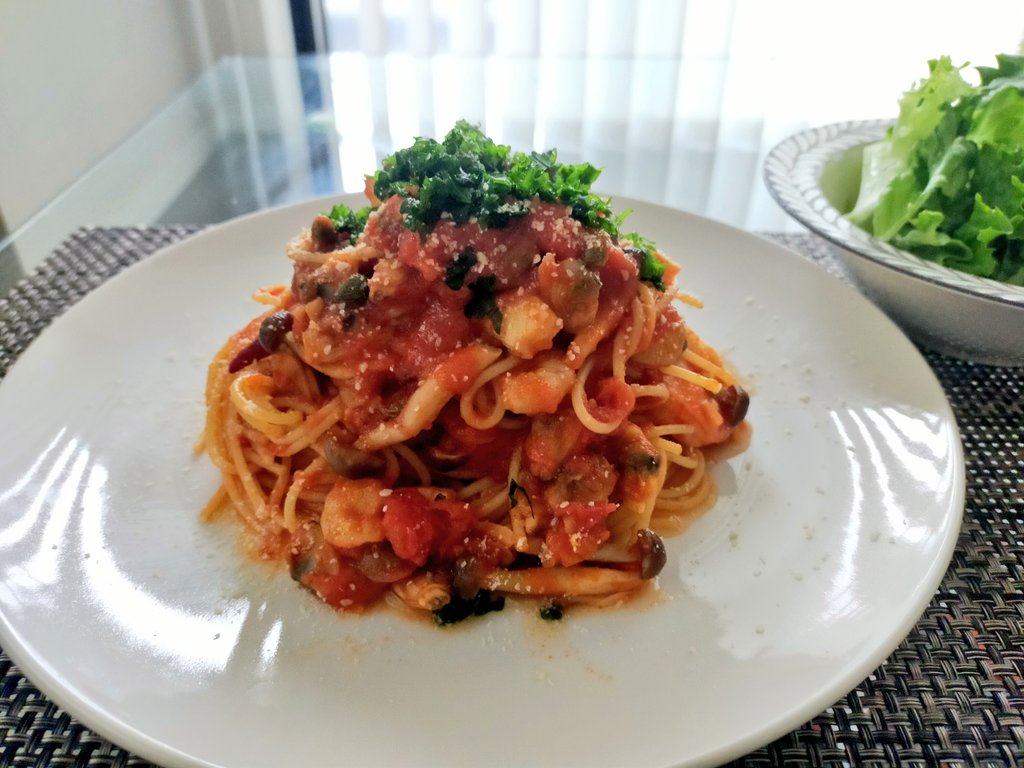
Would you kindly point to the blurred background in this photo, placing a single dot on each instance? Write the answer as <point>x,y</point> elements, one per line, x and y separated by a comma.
<point>147,112</point>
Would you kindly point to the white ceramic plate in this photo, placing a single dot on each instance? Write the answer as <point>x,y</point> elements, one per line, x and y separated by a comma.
<point>830,536</point>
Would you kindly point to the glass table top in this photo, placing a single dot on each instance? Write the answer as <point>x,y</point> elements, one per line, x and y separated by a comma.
<point>253,133</point>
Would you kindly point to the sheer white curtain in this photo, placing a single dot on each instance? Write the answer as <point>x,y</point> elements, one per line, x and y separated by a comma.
<point>677,99</point>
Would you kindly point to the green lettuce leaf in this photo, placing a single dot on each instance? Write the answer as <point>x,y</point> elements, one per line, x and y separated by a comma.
<point>1009,70</point>
<point>946,182</point>
<point>1011,270</point>
<point>998,174</point>
<point>998,120</point>
<point>985,225</point>
<point>909,193</point>
<point>921,110</point>
<point>924,238</point>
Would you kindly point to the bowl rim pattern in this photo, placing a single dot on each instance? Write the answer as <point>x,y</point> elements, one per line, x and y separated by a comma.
<point>792,169</point>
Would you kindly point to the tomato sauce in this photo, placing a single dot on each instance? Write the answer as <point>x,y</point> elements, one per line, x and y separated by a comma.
<point>439,426</point>
<point>419,323</point>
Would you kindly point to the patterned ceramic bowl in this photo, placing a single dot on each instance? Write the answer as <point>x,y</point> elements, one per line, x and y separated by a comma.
<point>814,175</point>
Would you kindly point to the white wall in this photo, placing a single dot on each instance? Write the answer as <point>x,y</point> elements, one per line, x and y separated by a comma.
<point>79,76</point>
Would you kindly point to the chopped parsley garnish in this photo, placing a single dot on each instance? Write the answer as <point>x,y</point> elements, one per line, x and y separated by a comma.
<point>458,609</point>
<point>456,273</point>
<point>482,303</point>
<point>652,269</point>
<point>347,220</point>
<point>513,489</point>
<point>467,175</point>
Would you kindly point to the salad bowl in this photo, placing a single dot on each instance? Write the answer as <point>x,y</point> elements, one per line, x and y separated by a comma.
<point>815,176</point>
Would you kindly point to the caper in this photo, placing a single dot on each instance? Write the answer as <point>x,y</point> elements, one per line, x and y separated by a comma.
<point>551,611</point>
<point>305,290</point>
<point>354,291</point>
<point>596,253</point>
<point>643,463</point>
<point>324,234</point>
<point>637,253</point>
<point>273,329</point>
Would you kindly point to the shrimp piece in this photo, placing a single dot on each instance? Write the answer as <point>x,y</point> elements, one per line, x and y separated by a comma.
<point>538,389</point>
<point>352,513</point>
<point>528,324</point>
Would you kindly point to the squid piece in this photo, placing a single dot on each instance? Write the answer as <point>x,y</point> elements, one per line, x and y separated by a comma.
<point>430,397</point>
<point>559,582</point>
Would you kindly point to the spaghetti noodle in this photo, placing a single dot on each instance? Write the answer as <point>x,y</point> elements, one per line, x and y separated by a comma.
<point>497,398</point>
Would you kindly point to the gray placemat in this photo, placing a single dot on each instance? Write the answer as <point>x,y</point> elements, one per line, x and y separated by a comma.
<point>952,694</point>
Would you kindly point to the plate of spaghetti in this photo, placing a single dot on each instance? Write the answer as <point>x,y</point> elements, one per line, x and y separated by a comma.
<point>474,481</point>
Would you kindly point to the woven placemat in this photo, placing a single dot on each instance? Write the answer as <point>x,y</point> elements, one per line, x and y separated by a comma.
<point>952,694</point>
